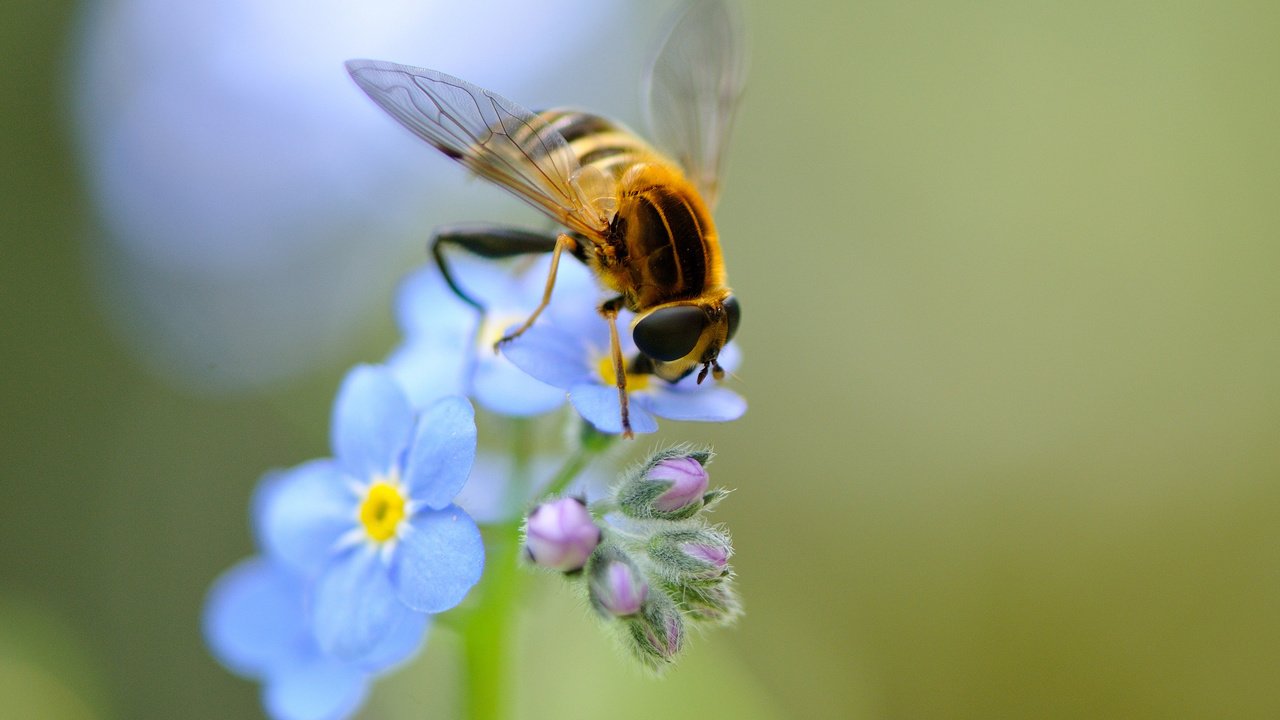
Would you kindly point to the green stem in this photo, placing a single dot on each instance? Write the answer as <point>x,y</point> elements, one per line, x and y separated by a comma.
<point>487,627</point>
<point>593,443</point>
<point>521,465</point>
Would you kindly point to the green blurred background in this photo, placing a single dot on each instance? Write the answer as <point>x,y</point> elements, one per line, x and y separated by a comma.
<point>1010,274</point>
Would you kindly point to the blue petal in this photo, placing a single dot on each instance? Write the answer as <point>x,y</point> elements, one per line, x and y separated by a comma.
<point>526,287</point>
<point>436,356</point>
<point>444,447</point>
<point>503,388</point>
<point>553,355</point>
<point>318,688</point>
<point>428,370</point>
<point>598,405</point>
<point>300,514</point>
<point>519,292</point>
<point>354,605</point>
<point>426,306</point>
<point>491,494</point>
<point>730,357</point>
<point>711,404</point>
<point>581,281</point>
<point>438,560</point>
<point>372,421</point>
<point>400,645</point>
<point>253,617</point>
<point>574,300</point>
<point>487,495</point>
<point>488,281</point>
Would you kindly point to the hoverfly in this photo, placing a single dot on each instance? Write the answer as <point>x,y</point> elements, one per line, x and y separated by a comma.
<point>639,218</point>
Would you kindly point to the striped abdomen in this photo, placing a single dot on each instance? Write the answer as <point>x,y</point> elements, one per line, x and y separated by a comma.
<point>598,141</point>
<point>662,241</point>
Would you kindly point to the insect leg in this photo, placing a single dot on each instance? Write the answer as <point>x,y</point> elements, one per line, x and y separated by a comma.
<point>487,241</point>
<point>563,242</point>
<point>610,311</point>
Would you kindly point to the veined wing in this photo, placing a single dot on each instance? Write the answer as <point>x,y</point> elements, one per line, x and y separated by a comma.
<point>494,137</point>
<point>693,87</point>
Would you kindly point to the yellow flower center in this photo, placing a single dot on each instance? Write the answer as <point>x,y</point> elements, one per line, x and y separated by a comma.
<point>494,327</point>
<point>634,382</point>
<point>382,510</point>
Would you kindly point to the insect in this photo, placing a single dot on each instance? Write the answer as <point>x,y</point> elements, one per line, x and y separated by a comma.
<point>638,217</point>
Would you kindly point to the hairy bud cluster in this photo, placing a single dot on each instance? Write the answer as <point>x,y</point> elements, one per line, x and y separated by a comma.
<point>650,563</point>
<point>661,566</point>
<point>655,566</point>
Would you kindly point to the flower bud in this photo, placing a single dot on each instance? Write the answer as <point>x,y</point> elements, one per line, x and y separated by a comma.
<point>688,483</point>
<point>672,485</point>
<point>561,534</point>
<point>714,556</point>
<point>714,604</point>
<point>616,587</point>
<point>656,636</point>
<point>699,554</point>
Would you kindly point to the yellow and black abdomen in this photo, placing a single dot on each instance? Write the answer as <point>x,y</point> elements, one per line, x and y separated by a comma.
<point>599,142</point>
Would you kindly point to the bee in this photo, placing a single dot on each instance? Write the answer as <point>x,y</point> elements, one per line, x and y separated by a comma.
<point>638,217</point>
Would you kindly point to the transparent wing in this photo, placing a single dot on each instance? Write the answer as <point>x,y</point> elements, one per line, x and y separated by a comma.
<point>494,137</point>
<point>693,87</point>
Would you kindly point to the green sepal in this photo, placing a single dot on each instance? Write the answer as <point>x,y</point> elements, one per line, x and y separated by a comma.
<point>714,604</point>
<point>656,636</point>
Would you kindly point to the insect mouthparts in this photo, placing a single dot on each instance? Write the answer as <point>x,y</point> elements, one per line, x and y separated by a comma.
<point>713,367</point>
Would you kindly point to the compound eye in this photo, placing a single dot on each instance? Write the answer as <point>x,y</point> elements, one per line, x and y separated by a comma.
<point>735,314</point>
<point>670,333</point>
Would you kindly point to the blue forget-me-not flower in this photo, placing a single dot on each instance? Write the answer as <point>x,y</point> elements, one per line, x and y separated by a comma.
<point>375,526</point>
<point>256,625</point>
<point>498,491</point>
<point>575,357</point>
<point>448,350</point>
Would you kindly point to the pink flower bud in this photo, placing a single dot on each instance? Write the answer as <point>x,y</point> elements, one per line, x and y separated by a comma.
<point>715,556</point>
<point>688,483</point>
<point>618,590</point>
<point>664,640</point>
<point>561,535</point>
<point>697,554</point>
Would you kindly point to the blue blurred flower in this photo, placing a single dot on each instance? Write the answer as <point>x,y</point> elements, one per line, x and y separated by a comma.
<point>445,353</point>
<point>255,624</point>
<point>255,205</point>
<point>376,526</point>
<point>575,357</point>
<point>495,493</point>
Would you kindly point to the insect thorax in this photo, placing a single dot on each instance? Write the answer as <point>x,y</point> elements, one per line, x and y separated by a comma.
<point>662,243</point>
<point>667,238</point>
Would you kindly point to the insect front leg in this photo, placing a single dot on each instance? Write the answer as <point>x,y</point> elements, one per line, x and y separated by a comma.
<point>610,312</point>
<point>487,241</point>
<point>563,242</point>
